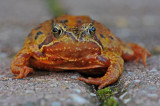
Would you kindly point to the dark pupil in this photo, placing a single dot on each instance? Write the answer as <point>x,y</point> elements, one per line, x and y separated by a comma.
<point>55,30</point>
<point>93,29</point>
<point>59,31</point>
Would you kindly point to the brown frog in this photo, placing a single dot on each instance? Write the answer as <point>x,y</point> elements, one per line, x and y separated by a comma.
<point>76,43</point>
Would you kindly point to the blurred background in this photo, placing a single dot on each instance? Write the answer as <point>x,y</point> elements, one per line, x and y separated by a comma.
<point>132,20</point>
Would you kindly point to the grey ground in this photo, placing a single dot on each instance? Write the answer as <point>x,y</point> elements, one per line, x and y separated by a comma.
<point>131,20</point>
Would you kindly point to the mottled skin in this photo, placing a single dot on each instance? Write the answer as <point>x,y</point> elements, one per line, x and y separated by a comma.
<point>76,43</point>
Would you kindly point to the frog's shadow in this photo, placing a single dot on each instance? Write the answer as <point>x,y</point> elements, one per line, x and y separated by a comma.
<point>39,73</point>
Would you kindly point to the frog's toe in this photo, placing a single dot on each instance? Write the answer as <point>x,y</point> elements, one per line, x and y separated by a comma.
<point>96,81</point>
<point>103,84</point>
<point>24,72</point>
<point>90,80</point>
<point>141,53</point>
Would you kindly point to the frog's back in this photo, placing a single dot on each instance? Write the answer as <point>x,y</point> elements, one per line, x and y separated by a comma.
<point>109,41</point>
<point>39,33</point>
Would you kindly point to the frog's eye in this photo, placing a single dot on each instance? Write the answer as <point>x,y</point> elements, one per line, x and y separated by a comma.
<point>92,30</point>
<point>57,32</point>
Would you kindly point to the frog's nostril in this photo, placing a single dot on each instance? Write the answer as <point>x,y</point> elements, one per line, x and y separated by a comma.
<point>70,34</point>
<point>81,36</point>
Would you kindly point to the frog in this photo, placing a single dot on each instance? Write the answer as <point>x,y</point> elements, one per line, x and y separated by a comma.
<point>76,43</point>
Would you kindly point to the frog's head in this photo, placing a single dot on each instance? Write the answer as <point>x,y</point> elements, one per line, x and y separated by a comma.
<point>72,39</point>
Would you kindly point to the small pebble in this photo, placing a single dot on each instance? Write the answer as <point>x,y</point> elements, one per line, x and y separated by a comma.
<point>152,95</point>
<point>56,104</point>
<point>53,85</point>
<point>126,100</point>
<point>137,81</point>
<point>123,95</point>
<point>74,77</point>
<point>29,91</point>
<point>77,90</point>
<point>126,83</point>
<point>153,70</point>
<point>92,94</point>
<point>78,99</point>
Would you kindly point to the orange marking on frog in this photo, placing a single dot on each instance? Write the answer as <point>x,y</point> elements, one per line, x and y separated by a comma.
<point>76,43</point>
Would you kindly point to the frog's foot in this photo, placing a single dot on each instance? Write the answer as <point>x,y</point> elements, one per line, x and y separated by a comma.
<point>21,72</point>
<point>102,82</point>
<point>113,72</point>
<point>19,65</point>
<point>140,53</point>
<point>90,80</point>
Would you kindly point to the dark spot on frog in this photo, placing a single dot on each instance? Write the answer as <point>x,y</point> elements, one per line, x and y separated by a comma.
<point>38,33</point>
<point>102,35</point>
<point>64,21</point>
<point>40,45</point>
<point>111,37</point>
<point>38,27</point>
<point>46,41</point>
<point>79,21</point>
<point>98,40</point>
<point>52,24</point>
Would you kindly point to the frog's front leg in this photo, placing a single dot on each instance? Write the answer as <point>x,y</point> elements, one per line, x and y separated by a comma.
<point>113,72</point>
<point>19,65</point>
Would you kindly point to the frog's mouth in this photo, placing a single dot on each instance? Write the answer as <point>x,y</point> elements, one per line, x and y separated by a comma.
<point>71,51</point>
